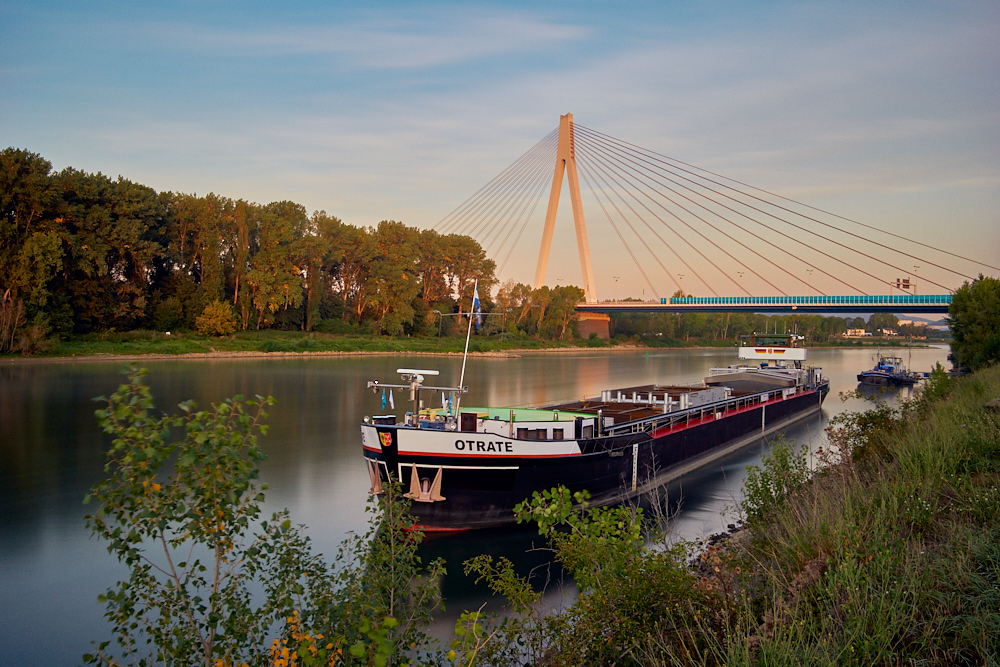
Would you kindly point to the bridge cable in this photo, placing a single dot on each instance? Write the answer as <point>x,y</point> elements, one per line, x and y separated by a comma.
<point>463,209</point>
<point>820,222</point>
<point>603,176</point>
<point>640,180</point>
<point>583,174</point>
<point>620,188</point>
<point>470,205</point>
<point>476,218</point>
<point>519,212</point>
<point>799,241</point>
<point>508,203</point>
<point>524,224</point>
<point>758,237</point>
<point>835,215</point>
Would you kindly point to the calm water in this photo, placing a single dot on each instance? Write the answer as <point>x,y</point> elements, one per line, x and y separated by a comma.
<point>51,452</point>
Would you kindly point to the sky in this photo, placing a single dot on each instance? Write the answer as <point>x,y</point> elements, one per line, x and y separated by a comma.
<point>884,112</point>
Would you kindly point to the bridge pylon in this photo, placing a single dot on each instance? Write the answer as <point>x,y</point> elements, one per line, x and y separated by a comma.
<point>566,163</point>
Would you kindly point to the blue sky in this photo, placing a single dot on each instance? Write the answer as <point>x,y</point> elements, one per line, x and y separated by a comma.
<point>888,113</point>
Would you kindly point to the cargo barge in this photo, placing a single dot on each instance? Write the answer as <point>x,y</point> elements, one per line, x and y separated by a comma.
<point>467,467</point>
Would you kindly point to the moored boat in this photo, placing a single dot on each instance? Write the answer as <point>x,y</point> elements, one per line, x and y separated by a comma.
<point>467,467</point>
<point>888,371</point>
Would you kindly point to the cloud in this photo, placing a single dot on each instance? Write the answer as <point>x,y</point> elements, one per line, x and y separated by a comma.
<point>435,38</point>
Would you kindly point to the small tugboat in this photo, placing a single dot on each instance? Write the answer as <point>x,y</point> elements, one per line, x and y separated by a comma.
<point>889,371</point>
<point>467,467</point>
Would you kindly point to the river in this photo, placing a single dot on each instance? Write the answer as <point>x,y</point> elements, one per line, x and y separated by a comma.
<point>52,452</point>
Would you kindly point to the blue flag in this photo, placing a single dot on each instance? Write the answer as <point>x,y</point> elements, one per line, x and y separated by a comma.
<point>477,309</point>
<point>383,399</point>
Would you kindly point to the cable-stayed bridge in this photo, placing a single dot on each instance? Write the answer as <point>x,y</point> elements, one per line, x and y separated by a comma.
<point>698,240</point>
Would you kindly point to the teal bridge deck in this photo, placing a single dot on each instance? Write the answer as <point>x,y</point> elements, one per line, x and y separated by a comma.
<point>866,303</point>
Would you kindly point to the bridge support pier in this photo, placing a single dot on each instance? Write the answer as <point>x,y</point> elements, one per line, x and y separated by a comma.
<point>594,323</point>
<point>566,163</point>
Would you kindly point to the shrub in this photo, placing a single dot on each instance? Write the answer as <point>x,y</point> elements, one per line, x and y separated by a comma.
<point>205,587</point>
<point>628,593</point>
<point>34,338</point>
<point>169,313</point>
<point>781,472</point>
<point>218,319</point>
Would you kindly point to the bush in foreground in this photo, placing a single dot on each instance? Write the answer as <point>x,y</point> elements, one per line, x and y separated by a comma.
<point>205,586</point>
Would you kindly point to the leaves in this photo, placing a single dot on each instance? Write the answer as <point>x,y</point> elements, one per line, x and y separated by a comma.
<point>180,506</point>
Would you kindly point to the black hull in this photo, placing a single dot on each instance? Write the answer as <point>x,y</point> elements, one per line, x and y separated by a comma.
<point>611,469</point>
<point>884,380</point>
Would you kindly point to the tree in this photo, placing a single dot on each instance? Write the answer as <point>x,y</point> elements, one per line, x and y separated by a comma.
<point>31,246</point>
<point>392,280</point>
<point>276,277</point>
<point>217,319</point>
<point>879,321</point>
<point>974,320</point>
<point>323,249</point>
<point>562,309</point>
<point>178,514</point>
<point>204,587</point>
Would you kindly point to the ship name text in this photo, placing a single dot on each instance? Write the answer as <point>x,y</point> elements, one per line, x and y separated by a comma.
<point>481,446</point>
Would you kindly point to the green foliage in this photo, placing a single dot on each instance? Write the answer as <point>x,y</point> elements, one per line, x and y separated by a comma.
<point>627,592</point>
<point>879,559</point>
<point>169,314</point>
<point>178,514</point>
<point>938,385</point>
<point>19,335</point>
<point>95,253</point>
<point>218,319</point>
<point>867,434</point>
<point>205,587</point>
<point>783,470</point>
<point>888,554</point>
<point>974,320</point>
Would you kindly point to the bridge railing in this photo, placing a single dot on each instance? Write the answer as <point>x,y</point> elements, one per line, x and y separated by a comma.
<point>859,300</point>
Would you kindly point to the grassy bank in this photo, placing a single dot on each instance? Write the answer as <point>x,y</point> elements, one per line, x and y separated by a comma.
<point>138,343</point>
<point>890,557</point>
<point>135,343</point>
<point>887,555</point>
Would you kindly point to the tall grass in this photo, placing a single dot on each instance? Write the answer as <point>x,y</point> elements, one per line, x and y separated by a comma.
<point>888,554</point>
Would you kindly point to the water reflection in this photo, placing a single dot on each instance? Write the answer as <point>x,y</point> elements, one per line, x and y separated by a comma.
<point>53,451</point>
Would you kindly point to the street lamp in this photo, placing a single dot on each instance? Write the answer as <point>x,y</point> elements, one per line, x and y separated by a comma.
<point>741,280</point>
<point>616,287</point>
<point>503,327</point>
<point>810,272</point>
<point>916,268</point>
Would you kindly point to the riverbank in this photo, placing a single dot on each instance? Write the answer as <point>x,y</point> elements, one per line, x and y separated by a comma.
<point>887,553</point>
<point>890,555</point>
<point>151,345</point>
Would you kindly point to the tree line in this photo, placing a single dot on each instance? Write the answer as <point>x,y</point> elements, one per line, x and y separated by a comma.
<point>82,252</point>
<point>684,327</point>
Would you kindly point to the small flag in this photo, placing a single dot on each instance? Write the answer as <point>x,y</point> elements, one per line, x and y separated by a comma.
<point>392,403</point>
<point>476,307</point>
<point>383,399</point>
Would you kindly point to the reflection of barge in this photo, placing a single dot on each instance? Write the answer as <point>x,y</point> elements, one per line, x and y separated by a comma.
<point>467,467</point>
